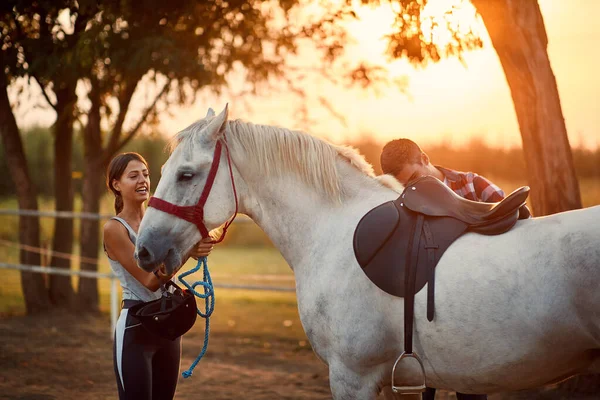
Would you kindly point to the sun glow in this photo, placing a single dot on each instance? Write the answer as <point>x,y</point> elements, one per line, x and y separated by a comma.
<point>438,20</point>
<point>446,101</point>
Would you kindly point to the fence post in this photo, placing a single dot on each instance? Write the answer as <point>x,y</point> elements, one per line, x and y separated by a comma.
<point>114,306</point>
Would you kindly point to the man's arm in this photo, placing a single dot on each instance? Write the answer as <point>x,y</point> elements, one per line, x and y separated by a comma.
<point>486,191</point>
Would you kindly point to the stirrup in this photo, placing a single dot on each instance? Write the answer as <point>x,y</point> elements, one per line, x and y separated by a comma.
<point>409,389</point>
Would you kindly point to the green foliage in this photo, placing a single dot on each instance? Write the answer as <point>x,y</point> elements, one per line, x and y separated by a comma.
<point>477,156</point>
<point>414,37</point>
<point>38,144</point>
<point>114,43</point>
<point>172,48</point>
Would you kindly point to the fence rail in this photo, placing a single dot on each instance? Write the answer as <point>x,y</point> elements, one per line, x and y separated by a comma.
<point>53,214</point>
<point>114,287</point>
<point>81,215</point>
<point>114,296</point>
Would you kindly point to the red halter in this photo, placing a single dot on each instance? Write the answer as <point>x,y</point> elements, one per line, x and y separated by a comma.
<point>195,214</point>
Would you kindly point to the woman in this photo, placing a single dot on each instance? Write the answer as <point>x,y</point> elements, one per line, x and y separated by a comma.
<point>146,366</point>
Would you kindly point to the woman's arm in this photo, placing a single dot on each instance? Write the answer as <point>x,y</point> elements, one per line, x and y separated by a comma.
<point>201,249</point>
<point>119,247</point>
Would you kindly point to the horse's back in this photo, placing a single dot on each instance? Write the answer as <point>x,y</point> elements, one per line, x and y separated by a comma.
<point>525,298</point>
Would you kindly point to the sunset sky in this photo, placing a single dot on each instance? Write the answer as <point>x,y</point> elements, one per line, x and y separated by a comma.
<point>445,101</point>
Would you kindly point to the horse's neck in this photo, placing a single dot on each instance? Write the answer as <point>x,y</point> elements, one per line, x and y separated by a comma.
<point>299,220</point>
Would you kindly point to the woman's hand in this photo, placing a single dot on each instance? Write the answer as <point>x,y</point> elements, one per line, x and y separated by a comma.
<point>202,248</point>
<point>161,273</point>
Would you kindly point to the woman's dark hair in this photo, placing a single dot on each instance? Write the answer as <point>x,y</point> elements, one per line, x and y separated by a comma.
<point>115,170</point>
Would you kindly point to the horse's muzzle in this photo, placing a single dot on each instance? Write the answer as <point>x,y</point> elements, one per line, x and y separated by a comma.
<point>151,254</point>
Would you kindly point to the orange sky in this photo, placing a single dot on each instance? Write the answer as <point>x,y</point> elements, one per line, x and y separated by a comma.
<point>445,100</point>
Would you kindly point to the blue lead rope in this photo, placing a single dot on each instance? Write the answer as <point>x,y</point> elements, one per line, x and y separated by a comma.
<point>209,304</point>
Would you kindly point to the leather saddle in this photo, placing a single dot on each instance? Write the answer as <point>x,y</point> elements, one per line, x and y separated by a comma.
<point>399,243</point>
<point>386,237</point>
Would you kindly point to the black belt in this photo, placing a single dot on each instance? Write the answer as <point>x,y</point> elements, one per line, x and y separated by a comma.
<point>128,303</point>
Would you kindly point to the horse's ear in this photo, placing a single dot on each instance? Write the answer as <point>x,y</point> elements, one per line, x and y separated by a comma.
<point>216,127</point>
<point>210,113</point>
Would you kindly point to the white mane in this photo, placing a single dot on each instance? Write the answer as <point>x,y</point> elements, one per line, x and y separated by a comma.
<point>277,150</point>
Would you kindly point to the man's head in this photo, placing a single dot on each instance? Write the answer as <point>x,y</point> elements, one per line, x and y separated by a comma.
<point>405,160</point>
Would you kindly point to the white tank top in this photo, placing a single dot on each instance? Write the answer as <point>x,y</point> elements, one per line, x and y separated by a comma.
<point>132,288</point>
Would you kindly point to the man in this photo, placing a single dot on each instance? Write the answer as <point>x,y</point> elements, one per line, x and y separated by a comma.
<point>404,159</point>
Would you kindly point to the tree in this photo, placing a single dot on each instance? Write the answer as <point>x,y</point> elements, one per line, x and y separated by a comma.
<point>33,285</point>
<point>518,35</point>
<point>179,47</point>
<point>116,47</point>
<point>46,55</point>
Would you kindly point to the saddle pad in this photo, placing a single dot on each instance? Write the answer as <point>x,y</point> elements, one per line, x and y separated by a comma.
<point>381,241</point>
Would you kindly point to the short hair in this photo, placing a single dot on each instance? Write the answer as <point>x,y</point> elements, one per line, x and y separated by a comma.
<point>397,154</point>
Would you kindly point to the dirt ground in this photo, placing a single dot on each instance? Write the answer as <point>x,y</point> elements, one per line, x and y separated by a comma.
<point>62,357</point>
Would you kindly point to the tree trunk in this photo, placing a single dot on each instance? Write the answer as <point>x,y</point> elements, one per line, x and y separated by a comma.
<point>518,34</point>
<point>61,291</point>
<point>88,299</point>
<point>32,283</point>
<point>517,30</point>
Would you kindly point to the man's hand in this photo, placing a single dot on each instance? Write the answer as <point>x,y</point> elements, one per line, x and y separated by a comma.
<point>202,248</point>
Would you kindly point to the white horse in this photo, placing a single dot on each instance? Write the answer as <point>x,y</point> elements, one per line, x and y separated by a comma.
<point>513,311</point>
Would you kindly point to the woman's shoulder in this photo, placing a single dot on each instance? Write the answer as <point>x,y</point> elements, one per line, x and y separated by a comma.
<point>113,227</point>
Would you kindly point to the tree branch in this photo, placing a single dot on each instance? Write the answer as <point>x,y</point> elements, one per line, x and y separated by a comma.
<point>44,93</point>
<point>111,150</point>
<point>22,36</point>
<point>124,99</point>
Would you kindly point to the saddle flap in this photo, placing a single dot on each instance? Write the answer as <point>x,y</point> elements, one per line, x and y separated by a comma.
<point>374,230</point>
<point>381,239</point>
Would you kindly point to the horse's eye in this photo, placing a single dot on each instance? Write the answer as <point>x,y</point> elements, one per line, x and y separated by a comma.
<point>185,176</point>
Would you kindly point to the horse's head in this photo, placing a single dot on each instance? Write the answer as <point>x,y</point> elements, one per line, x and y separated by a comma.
<point>194,195</point>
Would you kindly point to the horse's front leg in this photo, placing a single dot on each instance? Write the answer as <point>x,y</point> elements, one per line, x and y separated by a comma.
<point>346,384</point>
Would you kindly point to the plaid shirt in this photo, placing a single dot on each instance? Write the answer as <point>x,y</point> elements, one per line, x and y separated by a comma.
<point>471,186</point>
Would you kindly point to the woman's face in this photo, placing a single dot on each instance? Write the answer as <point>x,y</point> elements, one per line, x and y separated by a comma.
<point>134,184</point>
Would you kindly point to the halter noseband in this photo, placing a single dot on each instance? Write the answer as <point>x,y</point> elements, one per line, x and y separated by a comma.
<point>195,214</point>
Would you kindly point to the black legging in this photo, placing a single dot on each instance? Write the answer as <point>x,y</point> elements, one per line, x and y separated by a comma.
<point>146,366</point>
<point>430,395</point>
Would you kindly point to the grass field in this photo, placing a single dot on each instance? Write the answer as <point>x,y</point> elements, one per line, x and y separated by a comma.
<point>243,312</point>
<point>246,257</point>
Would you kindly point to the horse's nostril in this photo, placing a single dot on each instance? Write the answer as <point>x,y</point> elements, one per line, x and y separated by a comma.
<point>143,253</point>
